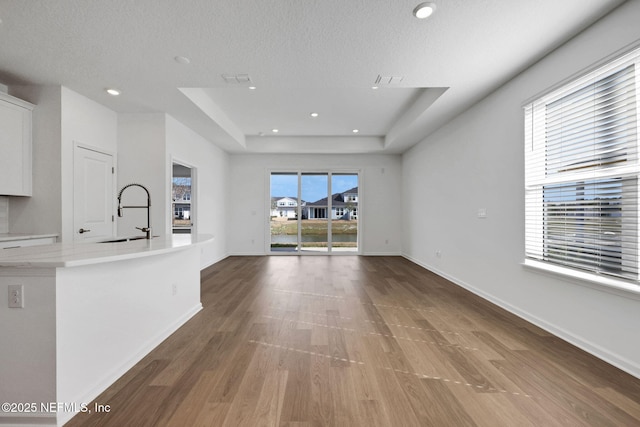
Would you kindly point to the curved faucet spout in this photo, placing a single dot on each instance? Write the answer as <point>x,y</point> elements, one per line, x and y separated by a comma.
<point>146,229</point>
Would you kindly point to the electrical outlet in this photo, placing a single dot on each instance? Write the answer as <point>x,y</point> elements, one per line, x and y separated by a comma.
<point>16,296</point>
<point>439,253</point>
<point>174,289</point>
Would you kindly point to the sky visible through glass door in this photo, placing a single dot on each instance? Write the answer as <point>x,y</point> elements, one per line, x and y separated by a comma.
<point>314,189</point>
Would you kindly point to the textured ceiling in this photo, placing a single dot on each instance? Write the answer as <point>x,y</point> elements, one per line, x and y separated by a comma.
<point>303,56</point>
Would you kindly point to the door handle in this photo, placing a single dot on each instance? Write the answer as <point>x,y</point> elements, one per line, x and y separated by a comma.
<point>82,230</point>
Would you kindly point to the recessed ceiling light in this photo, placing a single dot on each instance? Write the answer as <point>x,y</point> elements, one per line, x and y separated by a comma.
<point>182,60</point>
<point>113,92</point>
<point>374,87</point>
<point>274,130</point>
<point>424,10</point>
<point>252,87</point>
<point>314,114</point>
<point>355,131</point>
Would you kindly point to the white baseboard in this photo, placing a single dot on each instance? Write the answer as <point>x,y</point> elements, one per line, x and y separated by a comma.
<point>215,261</point>
<point>145,349</point>
<point>247,254</point>
<point>596,350</point>
<point>319,253</point>
<point>381,254</point>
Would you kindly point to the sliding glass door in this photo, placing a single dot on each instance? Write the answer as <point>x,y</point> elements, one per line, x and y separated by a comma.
<point>284,211</point>
<point>344,212</point>
<point>313,212</point>
<point>314,230</point>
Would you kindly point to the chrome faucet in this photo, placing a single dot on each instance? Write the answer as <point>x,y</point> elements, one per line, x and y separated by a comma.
<point>146,229</point>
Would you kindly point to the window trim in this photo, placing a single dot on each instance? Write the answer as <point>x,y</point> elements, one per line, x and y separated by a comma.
<point>583,72</point>
<point>592,279</point>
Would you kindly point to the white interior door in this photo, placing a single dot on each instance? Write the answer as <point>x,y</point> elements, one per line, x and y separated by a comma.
<point>92,194</point>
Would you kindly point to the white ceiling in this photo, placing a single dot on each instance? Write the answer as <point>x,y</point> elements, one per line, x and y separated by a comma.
<point>303,56</point>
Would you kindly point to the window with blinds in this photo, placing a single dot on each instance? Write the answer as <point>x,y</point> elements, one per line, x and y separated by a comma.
<point>581,172</point>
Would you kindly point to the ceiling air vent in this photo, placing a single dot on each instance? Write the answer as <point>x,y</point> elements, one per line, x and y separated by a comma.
<point>388,80</point>
<point>236,78</point>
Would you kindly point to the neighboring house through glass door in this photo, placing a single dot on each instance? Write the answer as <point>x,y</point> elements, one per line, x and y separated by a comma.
<point>313,212</point>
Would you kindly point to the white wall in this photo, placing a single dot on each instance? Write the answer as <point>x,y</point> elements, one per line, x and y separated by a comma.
<point>248,201</point>
<point>86,122</point>
<point>42,212</point>
<point>211,166</point>
<point>476,161</point>
<point>141,159</point>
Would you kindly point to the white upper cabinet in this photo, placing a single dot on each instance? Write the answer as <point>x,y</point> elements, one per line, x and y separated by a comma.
<point>15,146</point>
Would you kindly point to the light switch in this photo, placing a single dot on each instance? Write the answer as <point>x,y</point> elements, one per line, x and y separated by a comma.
<point>482,213</point>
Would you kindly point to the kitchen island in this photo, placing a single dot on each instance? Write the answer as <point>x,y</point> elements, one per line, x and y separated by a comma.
<point>90,312</point>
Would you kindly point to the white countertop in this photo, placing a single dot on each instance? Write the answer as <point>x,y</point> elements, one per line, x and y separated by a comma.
<point>85,253</point>
<point>9,237</point>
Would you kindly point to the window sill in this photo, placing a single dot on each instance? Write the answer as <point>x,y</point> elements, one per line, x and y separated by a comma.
<point>594,281</point>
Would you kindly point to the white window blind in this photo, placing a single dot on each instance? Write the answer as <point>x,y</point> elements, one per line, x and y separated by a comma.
<point>581,172</point>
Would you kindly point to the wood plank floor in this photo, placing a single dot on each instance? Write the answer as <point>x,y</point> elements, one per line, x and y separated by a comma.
<point>360,341</point>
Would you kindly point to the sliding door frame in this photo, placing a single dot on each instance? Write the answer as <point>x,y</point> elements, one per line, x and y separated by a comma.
<point>300,171</point>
